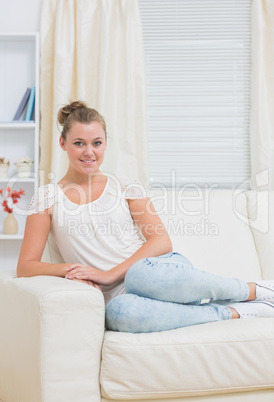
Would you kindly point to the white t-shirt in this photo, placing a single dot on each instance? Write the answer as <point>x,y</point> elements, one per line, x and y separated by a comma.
<point>101,234</point>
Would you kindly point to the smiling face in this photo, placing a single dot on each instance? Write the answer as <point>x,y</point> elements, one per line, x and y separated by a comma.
<point>85,145</point>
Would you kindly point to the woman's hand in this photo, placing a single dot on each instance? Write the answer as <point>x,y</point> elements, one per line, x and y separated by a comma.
<point>84,272</point>
<point>90,283</point>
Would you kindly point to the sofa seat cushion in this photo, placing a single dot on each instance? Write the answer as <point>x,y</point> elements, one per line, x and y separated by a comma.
<point>218,357</point>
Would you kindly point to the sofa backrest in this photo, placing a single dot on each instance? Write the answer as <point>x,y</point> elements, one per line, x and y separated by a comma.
<point>211,228</point>
<point>226,232</point>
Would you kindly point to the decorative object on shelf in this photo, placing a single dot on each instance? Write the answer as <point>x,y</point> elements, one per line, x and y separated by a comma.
<point>4,167</point>
<point>10,225</point>
<point>24,166</point>
<point>12,197</point>
<point>22,104</point>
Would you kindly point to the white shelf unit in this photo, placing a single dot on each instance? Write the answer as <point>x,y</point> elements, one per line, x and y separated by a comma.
<point>12,237</point>
<point>19,70</point>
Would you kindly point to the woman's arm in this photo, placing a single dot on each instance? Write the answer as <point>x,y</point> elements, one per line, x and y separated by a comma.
<point>157,243</point>
<point>157,239</point>
<point>35,237</point>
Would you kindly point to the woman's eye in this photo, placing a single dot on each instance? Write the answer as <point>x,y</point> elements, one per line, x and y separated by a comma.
<point>78,143</point>
<point>97,143</point>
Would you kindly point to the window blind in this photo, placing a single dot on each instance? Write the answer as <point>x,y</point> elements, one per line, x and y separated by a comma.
<point>198,63</point>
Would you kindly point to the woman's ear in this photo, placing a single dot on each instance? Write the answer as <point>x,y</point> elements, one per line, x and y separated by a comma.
<point>62,143</point>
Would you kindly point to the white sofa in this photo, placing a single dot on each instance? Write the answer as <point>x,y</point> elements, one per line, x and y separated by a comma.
<point>53,346</point>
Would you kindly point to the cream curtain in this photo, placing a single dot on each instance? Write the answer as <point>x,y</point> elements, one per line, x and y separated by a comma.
<point>93,50</point>
<point>262,95</point>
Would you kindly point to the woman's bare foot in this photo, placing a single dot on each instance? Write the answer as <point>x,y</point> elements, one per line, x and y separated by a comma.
<point>252,291</point>
<point>235,314</point>
<point>252,296</point>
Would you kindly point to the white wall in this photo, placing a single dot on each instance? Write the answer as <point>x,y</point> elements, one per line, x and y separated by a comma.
<point>20,15</point>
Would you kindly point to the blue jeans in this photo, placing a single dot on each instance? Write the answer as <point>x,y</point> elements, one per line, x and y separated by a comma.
<point>167,292</point>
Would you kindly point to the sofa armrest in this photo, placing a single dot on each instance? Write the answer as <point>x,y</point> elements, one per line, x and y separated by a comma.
<point>50,339</point>
<point>261,222</point>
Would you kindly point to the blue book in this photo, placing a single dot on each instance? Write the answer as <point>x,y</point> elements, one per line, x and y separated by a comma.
<point>22,104</point>
<point>30,104</point>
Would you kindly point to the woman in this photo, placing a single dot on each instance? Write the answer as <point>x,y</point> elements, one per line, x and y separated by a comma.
<point>110,237</point>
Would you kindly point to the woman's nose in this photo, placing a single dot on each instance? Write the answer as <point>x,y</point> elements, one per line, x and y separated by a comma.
<point>88,150</point>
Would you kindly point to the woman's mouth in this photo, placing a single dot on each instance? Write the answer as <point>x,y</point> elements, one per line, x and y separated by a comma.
<point>87,161</point>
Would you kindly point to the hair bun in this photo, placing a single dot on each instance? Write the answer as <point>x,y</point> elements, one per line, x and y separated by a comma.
<point>78,111</point>
<point>65,111</point>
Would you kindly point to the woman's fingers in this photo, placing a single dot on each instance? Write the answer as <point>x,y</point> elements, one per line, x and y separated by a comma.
<point>73,266</point>
<point>78,268</point>
<point>76,271</point>
<point>79,275</point>
<point>89,273</point>
<point>82,272</point>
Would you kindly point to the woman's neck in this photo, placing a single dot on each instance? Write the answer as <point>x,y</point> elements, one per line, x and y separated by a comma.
<point>82,179</point>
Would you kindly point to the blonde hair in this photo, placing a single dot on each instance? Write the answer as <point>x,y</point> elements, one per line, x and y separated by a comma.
<point>80,112</point>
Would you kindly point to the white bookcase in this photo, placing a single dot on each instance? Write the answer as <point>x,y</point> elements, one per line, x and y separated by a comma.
<point>19,70</point>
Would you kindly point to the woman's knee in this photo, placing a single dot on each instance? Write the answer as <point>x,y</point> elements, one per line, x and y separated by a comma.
<point>148,276</point>
<point>135,275</point>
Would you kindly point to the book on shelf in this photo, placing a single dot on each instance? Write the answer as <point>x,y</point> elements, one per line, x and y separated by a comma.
<point>22,104</point>
<point>30,105</point>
